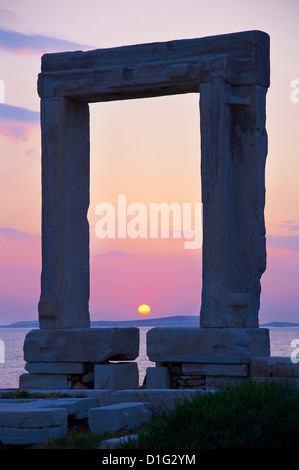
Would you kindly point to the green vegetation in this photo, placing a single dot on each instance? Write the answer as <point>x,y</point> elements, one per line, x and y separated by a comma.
<point>78,437</point>
<point>74,439</point>
<point>251,415</point>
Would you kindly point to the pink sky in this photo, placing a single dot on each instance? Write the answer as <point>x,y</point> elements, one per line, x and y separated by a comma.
<point>148,150</point>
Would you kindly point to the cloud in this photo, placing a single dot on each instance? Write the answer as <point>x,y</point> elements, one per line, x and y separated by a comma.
<point>14,113</point>
<point>290,225</point>
<point>113,254</point>
<point>18,123</point>
<point>287,243</point>
<point>14,234</point>
<point>36,43</point>
<point>7,15</point>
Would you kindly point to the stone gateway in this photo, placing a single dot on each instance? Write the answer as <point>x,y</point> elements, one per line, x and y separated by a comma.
<point>231,74</point>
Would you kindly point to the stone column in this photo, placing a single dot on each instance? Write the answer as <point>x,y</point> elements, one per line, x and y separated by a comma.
<point>233,154</point>
<point>65,200</point>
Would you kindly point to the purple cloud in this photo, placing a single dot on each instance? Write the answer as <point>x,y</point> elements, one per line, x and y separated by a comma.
<point>17,123</point>
<point>288,243</point>
<point>290,225</point>
<point>7,15</point>
<point>14,113</point>
<point>14,234</point>
<point>36,43</point>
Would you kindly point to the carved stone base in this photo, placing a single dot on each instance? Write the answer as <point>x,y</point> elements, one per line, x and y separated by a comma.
<point>207,345</point>
<point>67,358</point>
<point>81,345</point>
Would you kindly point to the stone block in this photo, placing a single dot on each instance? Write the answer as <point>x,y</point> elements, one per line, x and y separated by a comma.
<point>158,377</point>
<point>26,426</point>
<point>216,382</point>
<point>207,345</point>
<point>65,276</point>
<point>118,416</point>
<point>273,366</point>
<point>81,345</point>
<point>123,376</point>
<point>216,369</point>
<point>120,72</point>
<point>55,368</point>
<point>76,407</point>
<point>233,197</point>
<point>44,381</point>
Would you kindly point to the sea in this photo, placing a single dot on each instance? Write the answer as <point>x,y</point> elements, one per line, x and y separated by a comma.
<point>282,343</point>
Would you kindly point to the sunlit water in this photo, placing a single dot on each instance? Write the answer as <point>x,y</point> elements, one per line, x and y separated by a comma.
<point>13,339</point>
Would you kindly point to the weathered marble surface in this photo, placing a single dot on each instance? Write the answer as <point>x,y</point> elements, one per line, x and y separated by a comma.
<point>231,74</point>
<point>207,345</point>
<point>65,200</point>
<point>81,345</point>
<point>116,376</point>
<point>156,69</point>
<point>233,158</point>
<point>118,416</point>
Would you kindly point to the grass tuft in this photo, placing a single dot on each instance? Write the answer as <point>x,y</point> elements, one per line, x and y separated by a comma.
<point>249,415</point>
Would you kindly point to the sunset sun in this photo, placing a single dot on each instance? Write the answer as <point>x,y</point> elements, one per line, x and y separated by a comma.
<point>144,309</point>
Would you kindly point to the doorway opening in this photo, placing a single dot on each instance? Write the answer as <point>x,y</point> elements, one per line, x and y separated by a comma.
<point>145,155</point>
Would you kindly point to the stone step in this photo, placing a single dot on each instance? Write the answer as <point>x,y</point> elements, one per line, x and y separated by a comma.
<point>118,416</point>
<point>76,407</point>
<point>23,425</point>
<point>31,421</point>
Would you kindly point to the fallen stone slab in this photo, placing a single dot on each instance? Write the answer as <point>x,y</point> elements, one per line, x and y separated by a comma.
<point>76,407</point>
<point>160,400</point>
<point>28,425</point>
<point>81,345</point>
<point>118,416</point>
<point>207,345</point>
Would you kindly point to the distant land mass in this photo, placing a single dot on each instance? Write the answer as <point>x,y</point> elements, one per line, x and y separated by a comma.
<point>174,321</point>
<point>278,323</point>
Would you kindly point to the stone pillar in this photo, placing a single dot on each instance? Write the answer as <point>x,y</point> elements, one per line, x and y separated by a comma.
<point>65,200</point>
<point>233,155</point>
